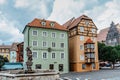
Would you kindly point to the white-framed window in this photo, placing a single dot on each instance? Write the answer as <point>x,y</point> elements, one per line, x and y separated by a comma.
<point>82,38</point>
<point>52,24</point>
<point>53,55</point>
<point>81,47</point>
<point>53,44</point>
<point>81,29</point>
<point>62,35</point>
<point>53,35</point>
<point>43,23</point>
<point>62,55</point>
<point>93,30</point>
<point>44,34</point>
<point>62,45</point>
<point>35,43</point>
<point>35,54</point>
<point>34,32</point>
<point>44,44</point>
<point>44,55</point>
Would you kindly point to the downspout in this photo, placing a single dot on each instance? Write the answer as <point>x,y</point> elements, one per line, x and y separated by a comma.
<point>28,36</point>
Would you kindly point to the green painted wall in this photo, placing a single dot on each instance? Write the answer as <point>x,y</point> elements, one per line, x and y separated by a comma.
<point>45,62</point>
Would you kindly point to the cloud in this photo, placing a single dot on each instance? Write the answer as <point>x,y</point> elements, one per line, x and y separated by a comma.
<point>106,13</point>
<point>8,31</point>
<point>66,9</point>
<point>41,8</point>
<point>2,2</point>
<point>102,12</point>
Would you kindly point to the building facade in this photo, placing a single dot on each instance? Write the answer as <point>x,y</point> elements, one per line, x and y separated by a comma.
<point>5,51</point>
<point>102,35</point>
<point>49,44</point>
<point>20,52</point>
<point>113,35</point>
<point>83,49</point>
<point>13,53</point>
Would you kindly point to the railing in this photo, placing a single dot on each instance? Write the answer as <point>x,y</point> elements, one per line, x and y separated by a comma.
<point>90,60</point>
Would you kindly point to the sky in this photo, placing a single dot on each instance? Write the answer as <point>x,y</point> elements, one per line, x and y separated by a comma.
<point>15,14</point>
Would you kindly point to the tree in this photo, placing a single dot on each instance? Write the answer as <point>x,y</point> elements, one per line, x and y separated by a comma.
<point>6,59</point>
<point>113,56</point>
<point>100,48</point>
<point>1,61</point>
<point>109,53</point>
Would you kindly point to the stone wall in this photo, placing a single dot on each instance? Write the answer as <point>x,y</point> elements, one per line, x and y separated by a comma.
<point>31,76</point>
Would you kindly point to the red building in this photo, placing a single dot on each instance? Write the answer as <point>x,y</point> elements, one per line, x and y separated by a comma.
<point>20,52</point>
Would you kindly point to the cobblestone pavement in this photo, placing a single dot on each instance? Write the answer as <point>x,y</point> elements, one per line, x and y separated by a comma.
<point>106,74</point>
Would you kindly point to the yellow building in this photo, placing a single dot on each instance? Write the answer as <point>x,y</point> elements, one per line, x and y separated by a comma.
<point>83,49</point>
<point>5,51</point>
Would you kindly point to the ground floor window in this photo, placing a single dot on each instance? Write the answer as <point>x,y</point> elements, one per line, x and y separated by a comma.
<point>38,66</point>
<point>61,67</point>
<point>93,65</point>
<point>51,66</point>
<point>83,66</point>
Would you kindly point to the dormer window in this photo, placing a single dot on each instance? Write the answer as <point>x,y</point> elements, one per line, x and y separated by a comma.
<point>52,24</point>
<point>43,23</point>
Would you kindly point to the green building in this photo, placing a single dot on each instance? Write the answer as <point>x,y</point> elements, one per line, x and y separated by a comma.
<point>49,44</point>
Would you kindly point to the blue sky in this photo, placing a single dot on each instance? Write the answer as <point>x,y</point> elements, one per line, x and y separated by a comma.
<point>15,14</point>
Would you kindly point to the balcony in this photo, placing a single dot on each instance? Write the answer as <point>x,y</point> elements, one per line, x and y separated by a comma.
<point>90,60</point>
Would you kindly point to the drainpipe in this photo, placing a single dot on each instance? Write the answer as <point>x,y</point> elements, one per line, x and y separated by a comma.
<point>28,35</point>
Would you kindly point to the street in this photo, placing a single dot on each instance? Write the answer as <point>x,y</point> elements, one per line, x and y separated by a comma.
<point>106,74</point>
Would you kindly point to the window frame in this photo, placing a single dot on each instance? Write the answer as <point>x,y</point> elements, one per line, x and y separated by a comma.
<point>36,31</point>
<point>43,34</point>
<point>82,38</point>
<point>43,43</point>
<point>52,45</point>
<point>52,55</point>
<point>32,54</point>
<point>52,35</point>
<point>33,42</point>
<point>46,55</point>
<point>61,36</point>
<point>63,46</point>
<point>61,55</point>
<point>81,29</point>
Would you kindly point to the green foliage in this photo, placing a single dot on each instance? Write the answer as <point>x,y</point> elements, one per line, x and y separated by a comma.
<point>6,59</point>
<point>109,53</point>
<point>3,60</point>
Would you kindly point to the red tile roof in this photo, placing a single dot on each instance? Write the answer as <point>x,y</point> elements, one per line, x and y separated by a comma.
<point>102,34</point>
<point>37,23</point>
<point>75,22</point>
<point>68,23</point>
<point>89,41</point>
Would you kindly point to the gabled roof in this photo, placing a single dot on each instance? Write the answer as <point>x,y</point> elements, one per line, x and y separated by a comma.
<point>74,22</point>
<point>37,23</point>
<point>68,23</point>
<point>14,47</point>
